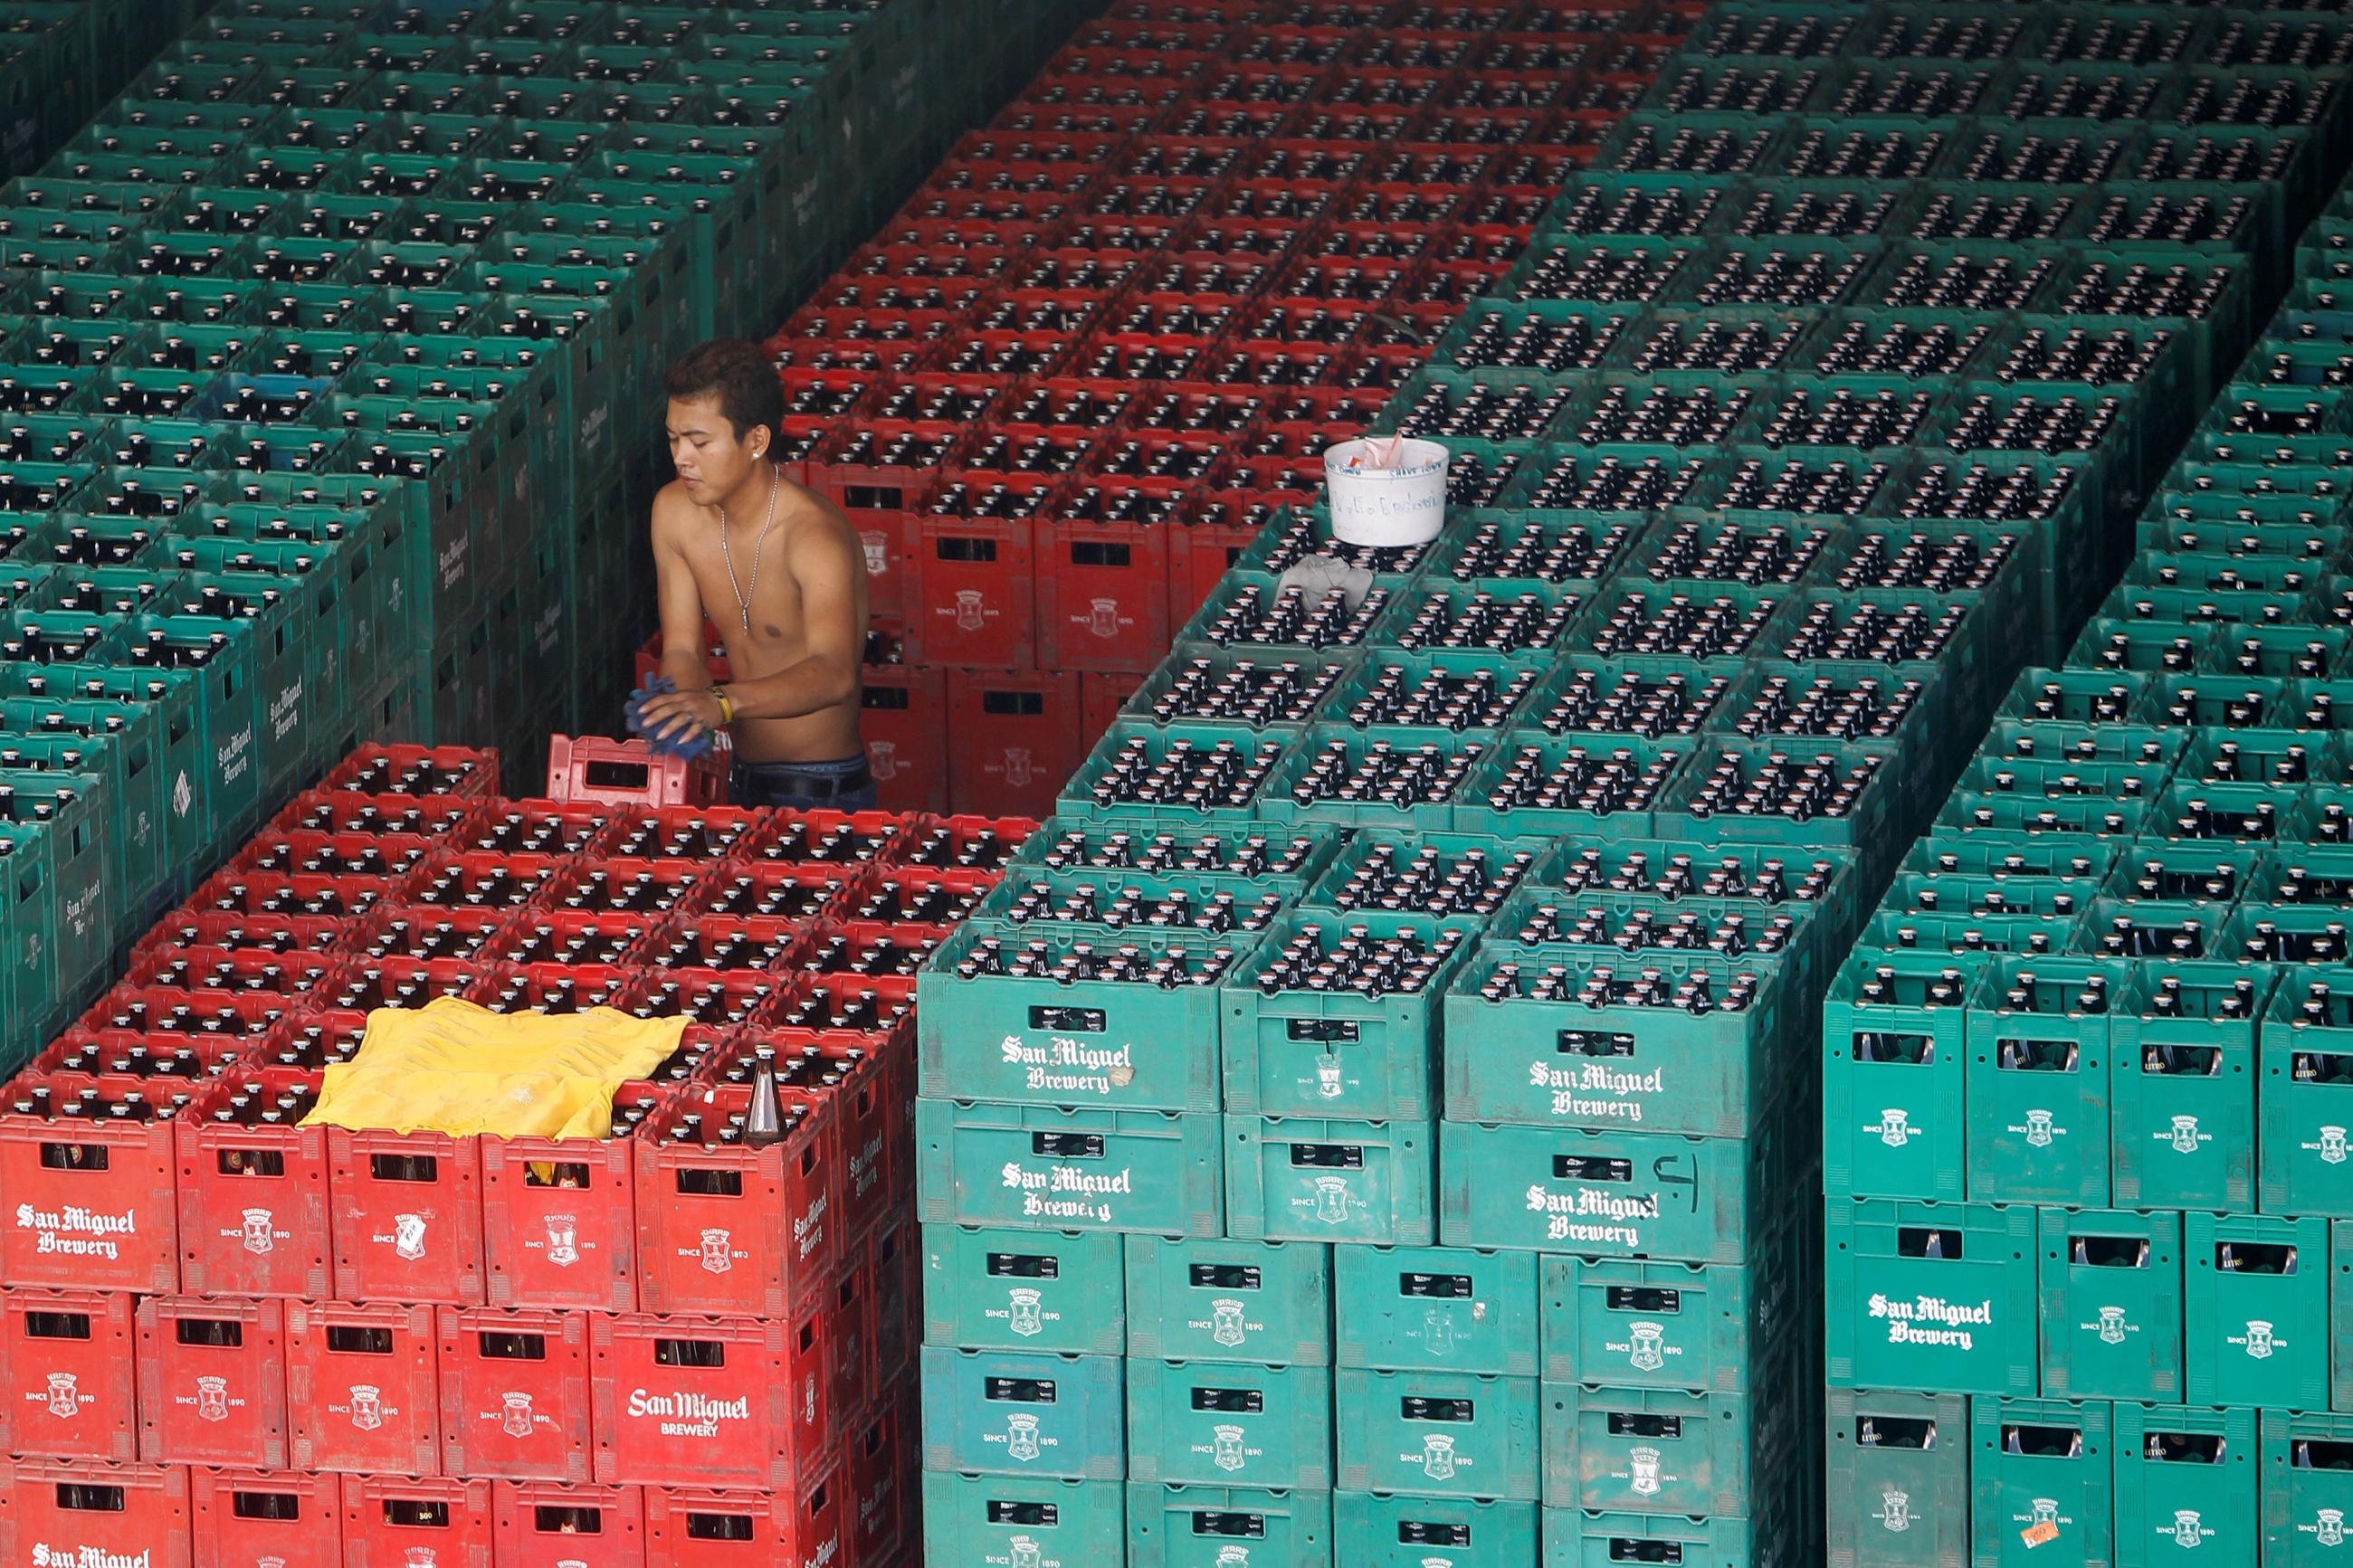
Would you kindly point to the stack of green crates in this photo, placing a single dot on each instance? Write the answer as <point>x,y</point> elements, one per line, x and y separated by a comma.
<point>2084,1142</point>
<point>1767,474</point>
<point>331,352</point>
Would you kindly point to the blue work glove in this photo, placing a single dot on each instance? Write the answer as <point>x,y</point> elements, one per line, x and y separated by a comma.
<point>688,746</point>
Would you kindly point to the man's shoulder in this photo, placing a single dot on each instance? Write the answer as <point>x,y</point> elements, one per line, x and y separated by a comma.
<point>671,507</point>
<point>815,519</point>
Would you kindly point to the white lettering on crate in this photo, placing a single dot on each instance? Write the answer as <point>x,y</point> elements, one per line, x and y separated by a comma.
<point>1932,1321</point>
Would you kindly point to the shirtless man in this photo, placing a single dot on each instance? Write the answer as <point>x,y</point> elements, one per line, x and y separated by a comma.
<point>778,571</point>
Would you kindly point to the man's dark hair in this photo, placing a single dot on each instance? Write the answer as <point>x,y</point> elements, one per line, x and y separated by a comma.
<point>738,375</point>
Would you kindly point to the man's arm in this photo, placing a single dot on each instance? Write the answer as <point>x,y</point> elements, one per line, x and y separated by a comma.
<point>684,658</point>
<point>830,569</point>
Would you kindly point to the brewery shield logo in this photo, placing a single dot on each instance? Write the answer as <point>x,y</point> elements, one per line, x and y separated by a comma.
<point>1226,1447</point>
<point>2037,1129</point>
<point>1103,617</point>
<point>562,1240</point>
<point>2257,1339</point>
<point>258,1235</point>
<point>1020,767</point>
<point>2332,1145</point>
<point>1332,1199</point>
<point>514,1415</point>
<point>1644,1462</point>
<point>421,1557</point>
<point>1025,1553</point>
<point>2186,1530</point>
<point>1894,1511</point>
<point>1437,1329</point>
<point>62,1402</point>
<point>1438,1456</point>
<point>1025,1317</point>
<point>1226,1325</point>
<point>2328,1527</point>
<point>1233,1557</point>
<point>717,1257</point>
<point>1894,1127</point>
<point>1327,1077</point>
<point>212,1399</point>
<point>878,554</point>
<point>1649,1352</point>
<point>367,1406</point>
<point>968,616</point>
<point>882,757</point>
<point>1021,1437</point>
<point>2112,1325</point>
<point>408,1237</point>
<point>2184,1137</point>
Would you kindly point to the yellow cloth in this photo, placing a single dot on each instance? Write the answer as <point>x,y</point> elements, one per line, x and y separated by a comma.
<point>453,1067</point>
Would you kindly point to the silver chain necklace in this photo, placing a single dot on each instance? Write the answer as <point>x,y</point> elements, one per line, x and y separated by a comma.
<point>743,601</point>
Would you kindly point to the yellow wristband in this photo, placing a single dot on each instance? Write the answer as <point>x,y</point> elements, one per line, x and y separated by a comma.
<point>726,705</point>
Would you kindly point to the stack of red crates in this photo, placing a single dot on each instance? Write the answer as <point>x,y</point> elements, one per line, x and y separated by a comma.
<point>229,1338</point>
<point>1065,386</point>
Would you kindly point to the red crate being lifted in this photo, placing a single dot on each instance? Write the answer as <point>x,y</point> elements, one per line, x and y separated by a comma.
<point>406,1216</point>
<point>92,1203</point>
<point>360,1390</point>
<point>266,1516</point>
<point>690,1398</point>
<point>541,1525</point>
<point>212,1381</point>
<point>406,1521</point>
<point>134,1514</point>
<point>725,1228</point>
<point>514,1394</point>
<point>626,773</point>
<point>67,1385</point>
<point>252,1196</point>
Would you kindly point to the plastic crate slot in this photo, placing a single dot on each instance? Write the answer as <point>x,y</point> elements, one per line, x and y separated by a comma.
<point>1438,1287</point>
<point>227,1333</point>
<point>1235,1400</point>
<point>1225,1277</point>
<point>1328,1156</point>
<point>1044,1515</point>
<point>57,1326</point>
<point>1644,1423</point>
<point>2254,1257</point>
<point>1415,1407</point>
<point>73,1156</point>
<point>1020,1390</point>
<point>1250,1526</point>
<point>1024,1265</point>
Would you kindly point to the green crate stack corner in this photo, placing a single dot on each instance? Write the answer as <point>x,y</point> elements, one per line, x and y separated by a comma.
<point>2082,1133</point>
<point>339,357</point>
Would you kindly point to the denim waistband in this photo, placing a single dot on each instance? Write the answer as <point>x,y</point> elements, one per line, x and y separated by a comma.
<point>843,768</point>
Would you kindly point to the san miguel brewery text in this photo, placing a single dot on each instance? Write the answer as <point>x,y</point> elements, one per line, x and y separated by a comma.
<point>1570,1086</point>
<point>47,1556</point>
<point>1086,1186</point>
<point>75,1232</point>
<point>1932,1321</point>
<point>688,1415</point>
<point>1565,1212</point>
<point>808,1228</point>
<point>1064,1066</point>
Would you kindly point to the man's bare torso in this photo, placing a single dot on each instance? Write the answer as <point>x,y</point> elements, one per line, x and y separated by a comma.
<point>777,635</point>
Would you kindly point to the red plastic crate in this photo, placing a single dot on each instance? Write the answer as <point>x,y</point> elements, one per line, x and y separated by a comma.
<point>827,393</point>
<point>1071,402</point>
<point>1202,551</point>
<point>878,1503</point>
<point>1069,268</point>
<point>626,773</point>
<point>894,1257</point>
<point>847,470</point>
<point>559,1221</point>
<point>514,1394</point>
<point>1030,116</point>
<point>549,987</point>
<point>1007,355</point>
<point>480,878</point>
<point>714,999</point>
<point>1102,594</point>
<point>361,1389</point>
<point>212,1381</point>
<point>918,895</point>
<point>643,887</point>
<point>400,1521</point>
<point>375,769</point>
<point>67,1385</point>
<point>1089,149</point>
<point>786,889</point>
<point>91,1205</point>
<point>1141,357</point>
<point>135,1514</point>
<point>728,1229</point>
<point>876,295</point>
<point>686,1398</point>
<point>696,1527</point>
<point>166,1013</point>
<point>545,1526</point>
<point>555,827</point>
<point>903,719</point>
<point>425,931</point>
<point>849,1321</point>
<point>909,330</point>
<point>685,832</point>
<point>972,584</point>
<point>367,984</point>
<point>253,1213</point>
<point>870,1110</point>
<point>309,1042</point>
<point>232,969</point>
<point>1100,697</point>
<point>1014,738</point>
<point>407,1216</point>
<point>234,892</point>
<point>253,933</point>
<point>246,1517</point>
<point>727,942</point>
<point>933,396</point>
<point>80,1050</point>
<point>341,811</point>
<point>871,949</point>
<point>388,856</point>
<point>876,358</point>
<point>592,937</point>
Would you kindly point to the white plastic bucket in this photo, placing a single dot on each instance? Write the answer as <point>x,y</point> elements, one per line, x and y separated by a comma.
<point>1386,507</point>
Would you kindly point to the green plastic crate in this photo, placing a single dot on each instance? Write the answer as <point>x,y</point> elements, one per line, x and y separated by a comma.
<point>1100,1043</point>
<point>1576,1538</point>
<point>1318,1178</point>
<point>2182,1094</point>
<point>2043,1474</point>
<point>1650,1450</point>
<point>228,713</point>
<point>1007,1521</point>
<point>1038,1290</point>
<point>2301,1100</point>
<point>1661,1069</point>
<point>2255,1310</point>
<point>1337,1054</point>
<point>1435,1308</point>
<point>2111,1283</point>
<point>1004,1413</point>
<point>1412,1530</point>
<point>1216,1526</point>
<point>2305,1497</point>
<point>1220,1423</point>
<point>1936,1296</point>
<point>2185,1475</point>
<point>1704,1327</point>
<point>1210,1300</point>
<point>1446,1434</point>
<point>1897,1475</point>
<point>2036,1084</point>
<point>86,889</point>
<point>1893,1056</point>
<point>1073,1170</point>
<point>1602,1193</point>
